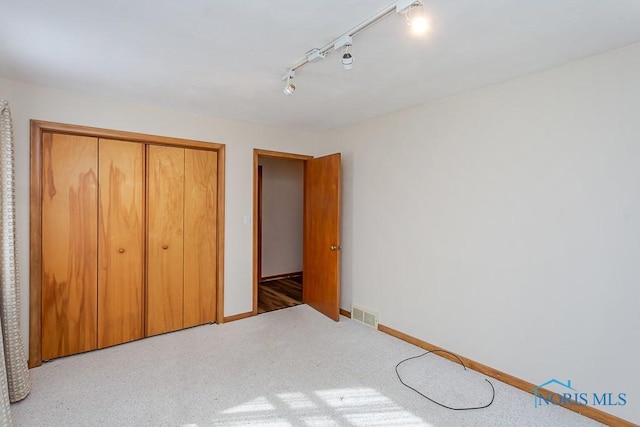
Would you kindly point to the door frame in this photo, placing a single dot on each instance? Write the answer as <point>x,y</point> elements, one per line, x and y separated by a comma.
<point>257,154</point>
<point>259,221</point>
<point>38,127</point>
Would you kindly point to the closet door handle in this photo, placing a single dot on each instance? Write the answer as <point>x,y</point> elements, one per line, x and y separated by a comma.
<point>121,250</point>
<point>165,246</point>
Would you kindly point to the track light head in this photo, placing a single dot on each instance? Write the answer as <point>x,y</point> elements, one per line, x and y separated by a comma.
<point>347,58</point>
<point>417,21</point>
<point>290,87</point>
<point>346,44</point>
<point>414,12</point>
<point>347,61</point>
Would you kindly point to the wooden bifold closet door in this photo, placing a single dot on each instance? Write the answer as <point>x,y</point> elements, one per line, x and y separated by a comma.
<point>93,241</point>
<point>200,215</point>
<point>69,244</point>
<point>165,259</point>
<point>124,237</point>
<point>92,216</point>
<point>181,249</point>
<point>120,242</point>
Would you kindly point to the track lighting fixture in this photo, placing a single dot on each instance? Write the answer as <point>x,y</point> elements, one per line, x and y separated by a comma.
<point>416,20</point>
<point>290,87</point>
<point>347,58</point>
<point>413,11</point>
<point>346,44</point>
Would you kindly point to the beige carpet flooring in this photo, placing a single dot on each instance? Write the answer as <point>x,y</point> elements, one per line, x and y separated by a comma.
<point>290,367</point>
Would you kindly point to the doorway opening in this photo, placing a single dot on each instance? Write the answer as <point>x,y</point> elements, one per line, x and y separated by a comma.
<point>278,227</point>
<point>280,216</point>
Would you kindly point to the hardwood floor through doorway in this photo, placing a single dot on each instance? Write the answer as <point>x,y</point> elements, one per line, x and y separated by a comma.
<point>279,293</point>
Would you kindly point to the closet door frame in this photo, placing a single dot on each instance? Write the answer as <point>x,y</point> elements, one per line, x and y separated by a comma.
<point>38,128</point>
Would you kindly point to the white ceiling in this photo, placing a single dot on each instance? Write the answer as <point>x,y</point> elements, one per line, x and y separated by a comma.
<point>225,57</point>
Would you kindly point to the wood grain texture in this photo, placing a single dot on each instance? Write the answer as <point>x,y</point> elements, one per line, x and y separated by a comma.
<point>71,129</point>
<point>258,223</point>
<point>283,276</point>
<point>240,316</point>
<point>220,233</point>
<point>280,155</point>
<point>279,293</point>
<point>321,264</point>
<point>257,229</point>
<point>69,245</point>
<point>35,246</point>
<point>587,411</point>
<point>120,242</point>
<point>165,264</point>
<point>40,131</point>
<point>200,199</point>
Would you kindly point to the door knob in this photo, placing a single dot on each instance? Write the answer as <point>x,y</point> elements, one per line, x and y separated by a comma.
<point>121,250</point>
<point>165,246</point>
<point>334,247</point>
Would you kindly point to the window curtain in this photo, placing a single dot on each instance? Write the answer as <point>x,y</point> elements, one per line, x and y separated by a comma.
<point>14,374</point>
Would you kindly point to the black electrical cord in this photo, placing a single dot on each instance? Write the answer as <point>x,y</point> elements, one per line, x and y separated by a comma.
<point>493,390</point>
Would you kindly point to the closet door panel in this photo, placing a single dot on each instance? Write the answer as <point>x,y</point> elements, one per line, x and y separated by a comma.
<point>200,270</point>
<point>120,242</point>
<point>69,244</point>
<point>165,213</point>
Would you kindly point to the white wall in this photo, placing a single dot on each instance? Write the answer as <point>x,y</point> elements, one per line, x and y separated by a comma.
<point>36,102</point>
<point>504,224</point>
<point>282,203</point>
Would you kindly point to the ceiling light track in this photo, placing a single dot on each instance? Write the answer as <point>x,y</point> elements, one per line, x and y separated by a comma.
<point>413,9</point>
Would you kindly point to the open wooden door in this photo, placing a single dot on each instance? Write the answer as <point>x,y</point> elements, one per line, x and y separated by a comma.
<point>321,258</point>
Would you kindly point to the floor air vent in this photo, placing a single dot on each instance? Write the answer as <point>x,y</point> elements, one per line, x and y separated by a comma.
<point>363,316</point>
